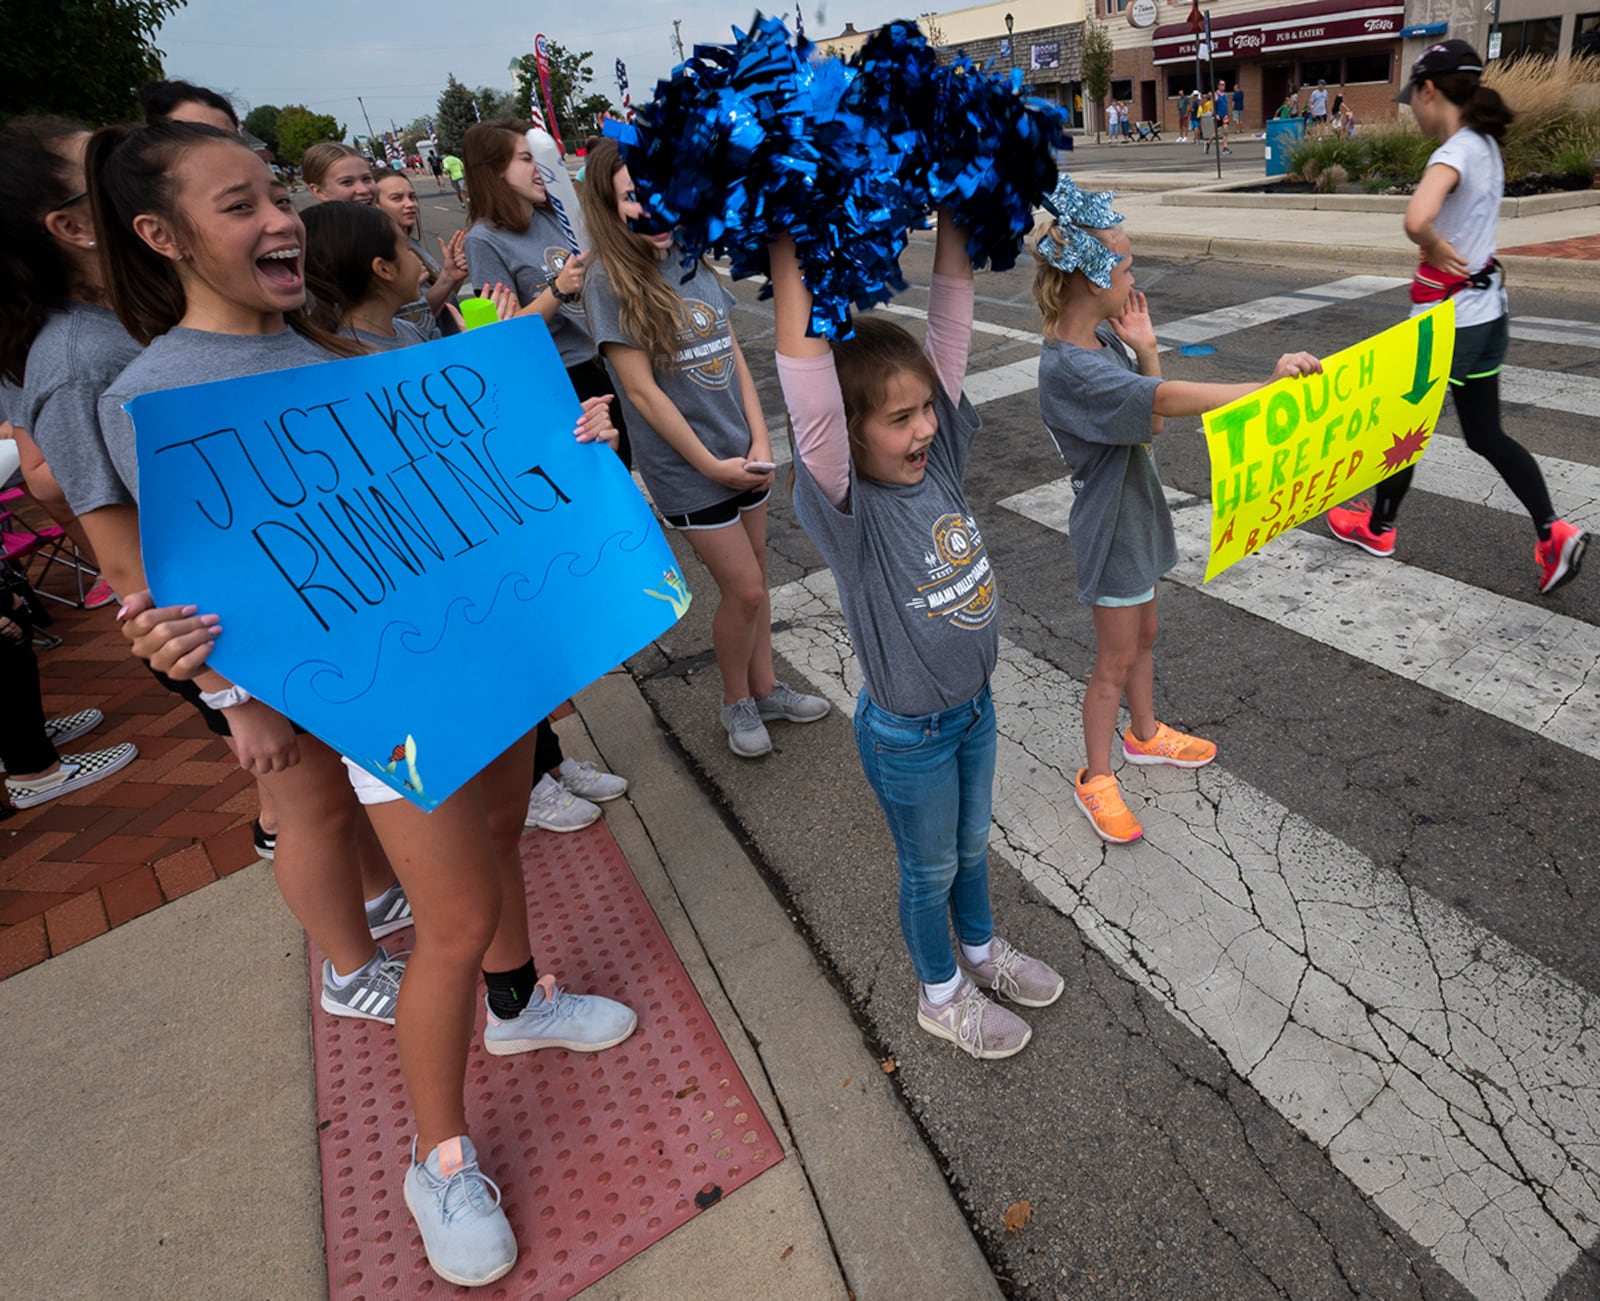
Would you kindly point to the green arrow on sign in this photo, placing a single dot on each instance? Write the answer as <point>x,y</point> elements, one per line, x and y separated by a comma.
<point>1420,383</point>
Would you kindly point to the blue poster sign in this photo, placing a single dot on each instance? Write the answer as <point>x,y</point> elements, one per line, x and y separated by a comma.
<point>412,556</point>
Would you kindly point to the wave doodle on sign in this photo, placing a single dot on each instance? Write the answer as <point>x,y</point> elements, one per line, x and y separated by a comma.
<point>322,679</point>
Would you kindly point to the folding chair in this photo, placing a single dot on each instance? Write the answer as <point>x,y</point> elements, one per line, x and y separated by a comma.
<point>21,544</point>
<point>1148,130</point>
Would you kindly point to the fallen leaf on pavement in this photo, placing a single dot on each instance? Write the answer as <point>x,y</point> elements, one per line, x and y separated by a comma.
<point>1017,1216</point>
<point>786,1253</point>
<point>847,1080</point>
<point>889,1065</point>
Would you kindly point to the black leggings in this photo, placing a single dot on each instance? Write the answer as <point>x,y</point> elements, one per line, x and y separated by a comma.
<point>1477,403</point>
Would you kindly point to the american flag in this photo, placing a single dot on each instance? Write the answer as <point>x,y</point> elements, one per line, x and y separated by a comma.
<point>799,22</point>
<point>622,89</point>
<point>432,134</point>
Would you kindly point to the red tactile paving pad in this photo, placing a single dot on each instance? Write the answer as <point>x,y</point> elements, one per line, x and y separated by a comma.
<point>597,1155</point>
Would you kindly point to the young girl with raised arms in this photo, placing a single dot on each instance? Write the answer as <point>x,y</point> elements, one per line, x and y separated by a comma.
<point>1103,400</point>
<point>698,432</point>
<point>882,437</point>
<point>203,256</point>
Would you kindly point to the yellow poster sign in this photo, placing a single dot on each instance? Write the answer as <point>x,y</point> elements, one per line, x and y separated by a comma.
<point>1289,451</point>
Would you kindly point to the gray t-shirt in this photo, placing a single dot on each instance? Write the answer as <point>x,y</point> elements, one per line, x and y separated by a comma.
<point>1097,408</point>
<point>81,349</point>
<point>918,591</point>
<point>1468,219</point>
<point>701,381</point>
<point>405,335</point>
<point>182,357</point>
<point>531,260</point>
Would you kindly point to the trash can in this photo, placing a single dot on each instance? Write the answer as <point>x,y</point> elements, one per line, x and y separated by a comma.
<point>1283,134</point>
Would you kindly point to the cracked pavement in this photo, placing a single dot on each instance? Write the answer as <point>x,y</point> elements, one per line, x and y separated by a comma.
<point>1328,1030</point>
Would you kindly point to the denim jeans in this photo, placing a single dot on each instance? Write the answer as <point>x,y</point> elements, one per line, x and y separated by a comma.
<point>934,777</point>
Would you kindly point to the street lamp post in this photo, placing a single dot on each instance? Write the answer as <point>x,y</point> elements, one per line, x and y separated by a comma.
<point>1010,44</point>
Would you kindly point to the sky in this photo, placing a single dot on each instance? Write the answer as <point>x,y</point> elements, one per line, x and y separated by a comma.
<point>397,54</point>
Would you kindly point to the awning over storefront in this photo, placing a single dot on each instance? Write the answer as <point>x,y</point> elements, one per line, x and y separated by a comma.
<point>1284,28</point>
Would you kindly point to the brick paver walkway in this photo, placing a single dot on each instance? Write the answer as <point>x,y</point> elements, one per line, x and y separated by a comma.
<point>173,820</point>
<point>1584,248</point>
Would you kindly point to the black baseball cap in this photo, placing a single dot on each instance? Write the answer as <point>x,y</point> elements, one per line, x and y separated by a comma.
<point>1436,60</point>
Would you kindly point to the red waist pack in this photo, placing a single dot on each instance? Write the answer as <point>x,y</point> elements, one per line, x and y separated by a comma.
<point>1431,285</point>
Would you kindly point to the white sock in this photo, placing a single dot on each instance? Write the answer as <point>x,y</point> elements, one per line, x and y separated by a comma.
<point>339,982</point>
<point>384,894</point>
<point>976,953</point>
<point>944,991</point>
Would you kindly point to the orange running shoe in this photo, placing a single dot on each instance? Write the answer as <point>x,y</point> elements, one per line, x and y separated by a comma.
<point>1353,524</point>
<point>1169,747</point>
<point>1559,558</point>
<point>1102,804</point>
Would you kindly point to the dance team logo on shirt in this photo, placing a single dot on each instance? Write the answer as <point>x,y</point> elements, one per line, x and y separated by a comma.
<point>960,584</point>
<point>706,356</point>
<point>555,257</point>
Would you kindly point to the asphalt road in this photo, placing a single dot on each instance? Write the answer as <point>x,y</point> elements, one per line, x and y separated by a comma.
<point>1453,833</point>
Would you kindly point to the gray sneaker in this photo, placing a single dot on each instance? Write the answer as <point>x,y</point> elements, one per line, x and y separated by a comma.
<point>784,702</point>
<point>372,994</point>
<point>747,734</point>
<point>553,1018</point>
<point>389,912</point>
<point>1013,975</point>
<point>973,1024</point>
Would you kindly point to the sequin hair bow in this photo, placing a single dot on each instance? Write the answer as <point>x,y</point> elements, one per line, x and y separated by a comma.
<point>1077,212</point>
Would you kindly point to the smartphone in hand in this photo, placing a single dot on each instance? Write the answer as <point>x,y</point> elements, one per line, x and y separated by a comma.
<point>759,467</point>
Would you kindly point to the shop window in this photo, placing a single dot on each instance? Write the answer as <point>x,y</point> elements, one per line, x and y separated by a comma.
<point>1314,70</point>
<point>1586,34</point>
<point>1368,67</point>
<point>1116,6</point>
<point>1538,36</point>
<point>1122,89</point>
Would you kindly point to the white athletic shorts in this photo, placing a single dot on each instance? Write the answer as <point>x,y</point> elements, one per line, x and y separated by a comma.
<point>368,789</point>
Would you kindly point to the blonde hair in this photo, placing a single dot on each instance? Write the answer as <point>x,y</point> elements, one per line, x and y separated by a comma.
<point>1052,286</point>
<point>646,306</point>
<point>318,160</point>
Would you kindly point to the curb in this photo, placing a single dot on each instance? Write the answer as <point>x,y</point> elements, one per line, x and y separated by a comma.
<point>1533,272</point>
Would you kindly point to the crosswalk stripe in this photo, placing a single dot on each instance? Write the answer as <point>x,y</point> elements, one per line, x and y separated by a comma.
<point>1447,1074</point>
<point>1207,326</point>
<point>1549,329</point>
<point>1551,390</point>
<point>1450,469</point>
<point>1531,666</point>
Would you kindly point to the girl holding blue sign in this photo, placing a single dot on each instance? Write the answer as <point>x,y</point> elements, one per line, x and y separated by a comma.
<point>203,258</point>
<point>700,435</point>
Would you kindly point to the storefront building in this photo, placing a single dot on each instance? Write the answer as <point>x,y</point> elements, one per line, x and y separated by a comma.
<point>1269,53</point>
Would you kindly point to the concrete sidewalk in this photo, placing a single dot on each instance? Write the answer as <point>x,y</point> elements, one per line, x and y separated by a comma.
<point>162,1111</point>
<point>1177,206</point>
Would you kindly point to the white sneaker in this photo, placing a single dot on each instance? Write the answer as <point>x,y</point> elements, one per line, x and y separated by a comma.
<point>554,808</point>
<point>587,782</point>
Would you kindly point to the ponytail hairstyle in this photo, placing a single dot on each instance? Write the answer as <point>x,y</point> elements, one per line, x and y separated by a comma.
<point>319,159</point>
<point>486,151</point>
<point>1481,106</point>
<point>866,363</point>
<point>130,172</point>
<point>35,275</point>
<point>646,306</point>
<point>342,241</point>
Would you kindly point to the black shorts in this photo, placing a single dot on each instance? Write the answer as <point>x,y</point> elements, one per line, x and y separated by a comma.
<point>722,514</point>
<point>1480,350</point>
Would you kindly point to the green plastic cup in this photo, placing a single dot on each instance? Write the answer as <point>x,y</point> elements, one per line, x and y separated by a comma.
<point>476,312</point>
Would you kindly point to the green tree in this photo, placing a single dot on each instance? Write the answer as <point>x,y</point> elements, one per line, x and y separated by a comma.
<point>455,115</point>
<point>262,123</point>
<point>570,75</point>
<point>299,128</point>
<point>1098,54</point>
<point>494,103</point>
<point>81,58</point>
